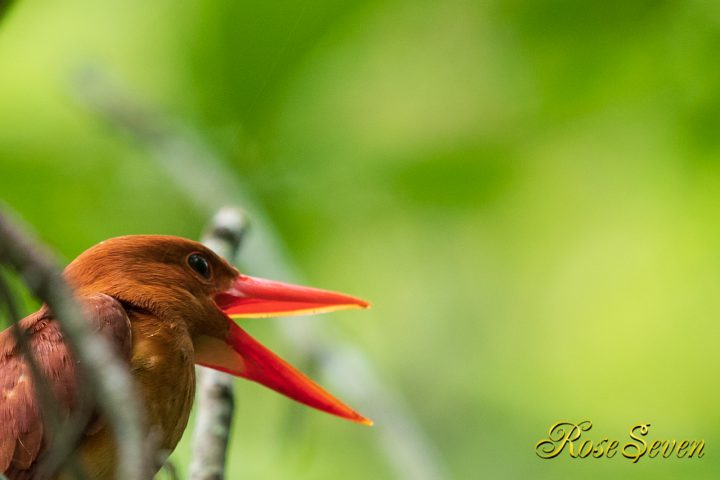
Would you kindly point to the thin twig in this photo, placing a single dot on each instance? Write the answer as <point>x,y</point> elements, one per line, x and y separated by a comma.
<point>197,169</point>
<point>53,424</point>
<point>45,395</point>
<point>105,374</point>
<point>216,400</point>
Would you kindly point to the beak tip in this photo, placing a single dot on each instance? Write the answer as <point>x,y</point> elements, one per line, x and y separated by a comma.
<point>354,416</point>
<point>367,422</point>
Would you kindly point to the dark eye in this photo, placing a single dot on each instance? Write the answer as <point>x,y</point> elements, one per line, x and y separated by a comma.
<point>200,264</point>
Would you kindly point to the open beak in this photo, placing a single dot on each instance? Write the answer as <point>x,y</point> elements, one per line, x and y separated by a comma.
<point>243,356</point>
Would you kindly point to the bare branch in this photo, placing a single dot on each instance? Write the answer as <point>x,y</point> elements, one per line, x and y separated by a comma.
<point>62,446</point>
<point>45,396</point>
<point>216,400</point>
<point>105,374</point>
<point>64,433</point>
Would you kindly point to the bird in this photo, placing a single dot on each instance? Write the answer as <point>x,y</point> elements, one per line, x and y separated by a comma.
<point>165,304</point>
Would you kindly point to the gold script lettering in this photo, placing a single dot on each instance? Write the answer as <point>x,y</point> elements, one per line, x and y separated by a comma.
<point>635,451</point>
<point>559,435</point>
<point>696,447</point>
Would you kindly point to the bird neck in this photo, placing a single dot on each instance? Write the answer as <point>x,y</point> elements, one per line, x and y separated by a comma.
<point>162,365</point>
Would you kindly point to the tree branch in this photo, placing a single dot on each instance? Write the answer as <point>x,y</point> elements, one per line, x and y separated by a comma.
<point>216,401</point>
<point>60,430</point>
<point>105,374</point>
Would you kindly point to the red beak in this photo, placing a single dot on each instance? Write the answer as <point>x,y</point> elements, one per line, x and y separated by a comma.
<point>243,356</point>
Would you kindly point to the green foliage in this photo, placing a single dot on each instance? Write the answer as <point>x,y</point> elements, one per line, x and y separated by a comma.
<point>527,191</point>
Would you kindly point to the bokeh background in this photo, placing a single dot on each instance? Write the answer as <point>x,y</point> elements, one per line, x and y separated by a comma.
<point>528,191</point>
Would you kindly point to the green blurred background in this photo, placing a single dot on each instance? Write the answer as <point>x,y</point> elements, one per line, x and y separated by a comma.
<point>528,191</point>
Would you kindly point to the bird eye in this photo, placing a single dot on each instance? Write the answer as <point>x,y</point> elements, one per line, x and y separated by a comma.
<point>200,264</point>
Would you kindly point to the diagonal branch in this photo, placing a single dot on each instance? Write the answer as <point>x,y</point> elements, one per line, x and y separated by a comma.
<point>106,375</point>
<point>61,448</point>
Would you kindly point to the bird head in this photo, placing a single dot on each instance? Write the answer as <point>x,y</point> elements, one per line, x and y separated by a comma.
<point>179,280</point>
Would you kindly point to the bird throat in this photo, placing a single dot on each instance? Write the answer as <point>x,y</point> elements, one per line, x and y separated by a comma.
<point>162,365</point>
<point>163,369</point>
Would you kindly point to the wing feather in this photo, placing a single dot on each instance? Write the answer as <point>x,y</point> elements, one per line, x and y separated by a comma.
<point>23,438</point>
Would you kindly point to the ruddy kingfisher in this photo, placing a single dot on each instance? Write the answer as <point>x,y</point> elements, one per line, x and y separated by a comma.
<point>166,303</point>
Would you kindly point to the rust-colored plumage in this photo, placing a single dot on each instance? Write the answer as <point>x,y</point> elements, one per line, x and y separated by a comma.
<point>22,435</point>
<point>164,303</point>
